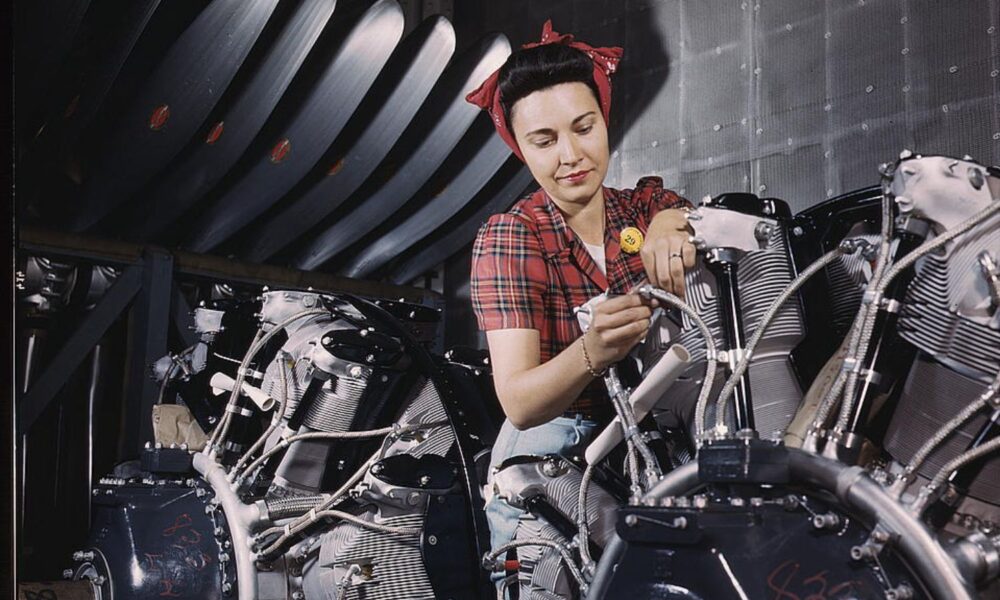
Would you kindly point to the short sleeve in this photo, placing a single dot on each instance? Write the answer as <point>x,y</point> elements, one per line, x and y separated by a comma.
<point>509,276</point>
<point>650,197</point>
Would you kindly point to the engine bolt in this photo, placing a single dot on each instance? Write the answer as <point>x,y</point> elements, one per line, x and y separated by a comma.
<point>298,595</point>
<point>826,521</point>
<point>880,536</point>
<point>67,573</point>
<point>900,592</point>
<point>550,468</point>
<point>432,540</point>
<point>425,480</point>
<point>631,520</point>
<point>81,555</point>
<point>863,552</point>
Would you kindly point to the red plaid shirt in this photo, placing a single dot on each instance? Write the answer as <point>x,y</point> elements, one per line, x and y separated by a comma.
<point>530,270</point>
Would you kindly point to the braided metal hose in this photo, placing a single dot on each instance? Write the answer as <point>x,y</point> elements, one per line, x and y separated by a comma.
<point>859,344</point>
<point>932,489</point>
<point>583,527</point>
<point>984,399</point>
<point>341,435</point>
<point>762,326</point>
<point>711,353</point>
<point>880,285</point>
<point>633,439</point>
<point>335,497</point>
<point>237,470</point>
<point>260,340</point>
<point>291,506</point>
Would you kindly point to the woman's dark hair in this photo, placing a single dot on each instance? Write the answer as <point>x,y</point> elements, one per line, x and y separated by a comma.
<point>532,69</point>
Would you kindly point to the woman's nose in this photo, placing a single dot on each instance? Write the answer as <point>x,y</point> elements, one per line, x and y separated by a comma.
<point>569,151</point>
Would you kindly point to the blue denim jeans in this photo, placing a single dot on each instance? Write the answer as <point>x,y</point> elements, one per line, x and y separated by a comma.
<point>562,435</point>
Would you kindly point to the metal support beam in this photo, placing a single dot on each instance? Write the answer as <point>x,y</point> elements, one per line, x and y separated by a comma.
<point>203,266</point>
<point>148,326</point>
<point>183,321</point>
<point>78,346</point>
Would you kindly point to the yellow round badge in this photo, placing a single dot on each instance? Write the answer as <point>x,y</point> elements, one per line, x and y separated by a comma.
<point>631,240</point>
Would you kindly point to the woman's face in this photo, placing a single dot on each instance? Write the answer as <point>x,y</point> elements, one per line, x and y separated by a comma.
<point>564,141</point>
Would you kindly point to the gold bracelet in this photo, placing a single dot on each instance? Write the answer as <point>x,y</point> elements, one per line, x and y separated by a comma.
<point>586,359</point>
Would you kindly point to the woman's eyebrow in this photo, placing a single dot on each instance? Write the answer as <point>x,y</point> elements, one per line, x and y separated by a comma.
<point>550,131</point>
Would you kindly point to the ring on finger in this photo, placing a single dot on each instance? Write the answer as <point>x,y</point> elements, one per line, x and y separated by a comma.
<point>675,255</point>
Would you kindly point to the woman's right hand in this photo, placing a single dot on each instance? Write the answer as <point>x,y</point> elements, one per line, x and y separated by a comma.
<point>616,326</point>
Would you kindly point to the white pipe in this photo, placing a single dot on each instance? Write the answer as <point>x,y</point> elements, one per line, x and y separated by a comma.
<point>240,518</point>
<point>663,374</point>
<point>221,382</point>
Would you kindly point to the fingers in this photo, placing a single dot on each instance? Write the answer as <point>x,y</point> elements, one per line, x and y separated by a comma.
<point>618,324</point>
<point>688,253</point>
<point>624,317</point>
<point>625,336</point>
<point>666,259</point>
<point>649,263</point>
<point>676,264</point>
<point>617,303</point>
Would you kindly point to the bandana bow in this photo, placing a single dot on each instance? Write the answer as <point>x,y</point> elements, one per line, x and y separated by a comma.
<point>487,95</point>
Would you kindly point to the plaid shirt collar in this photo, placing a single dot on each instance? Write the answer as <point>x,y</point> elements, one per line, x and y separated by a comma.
<point>561,243</point>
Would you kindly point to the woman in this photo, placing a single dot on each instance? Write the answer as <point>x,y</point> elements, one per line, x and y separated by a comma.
<point>571,240</point>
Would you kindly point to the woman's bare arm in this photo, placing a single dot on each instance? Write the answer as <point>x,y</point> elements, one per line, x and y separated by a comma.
<point>532,393</point>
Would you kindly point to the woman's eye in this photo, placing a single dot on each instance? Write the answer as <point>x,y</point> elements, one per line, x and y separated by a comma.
<point>585,129</point>
<point>544,143</point>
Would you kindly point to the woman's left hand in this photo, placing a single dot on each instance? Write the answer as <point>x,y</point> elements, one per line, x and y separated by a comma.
<point>667,251</point>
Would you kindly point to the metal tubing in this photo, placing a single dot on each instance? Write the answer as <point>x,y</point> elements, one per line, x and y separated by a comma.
<point>876,360</point>
<point>856,491</point>
<point>90,331</point>
<point>963,478</point>
<point>92,393</point>
<point>915,543</point>
<point>240,517</point>
<point>724,268</point>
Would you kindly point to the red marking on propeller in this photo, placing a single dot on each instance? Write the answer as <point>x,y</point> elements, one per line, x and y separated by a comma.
<point>215,133</point>
<point>159,117</point>
<point>336,167</point>
<point>280,151</point>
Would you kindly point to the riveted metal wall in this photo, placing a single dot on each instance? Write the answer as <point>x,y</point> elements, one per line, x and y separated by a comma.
<point>797,99</point>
